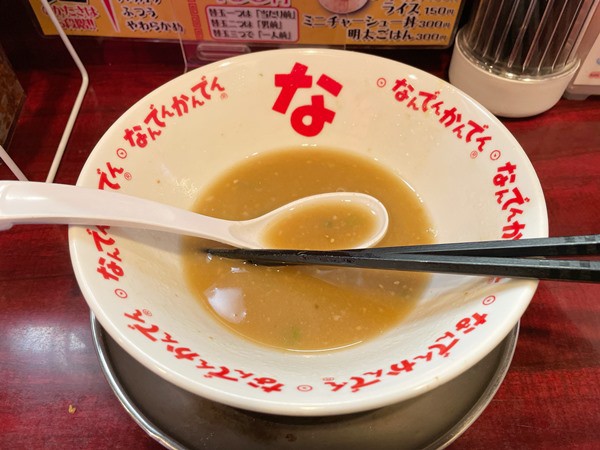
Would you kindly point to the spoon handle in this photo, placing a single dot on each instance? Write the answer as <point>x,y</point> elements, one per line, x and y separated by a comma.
<point>23,202</point>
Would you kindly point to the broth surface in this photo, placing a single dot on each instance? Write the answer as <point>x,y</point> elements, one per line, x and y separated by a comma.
<point>306,308</point>
<point>327,226</point>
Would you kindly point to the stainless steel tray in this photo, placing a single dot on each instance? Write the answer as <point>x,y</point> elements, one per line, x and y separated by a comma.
<point>181,420</point>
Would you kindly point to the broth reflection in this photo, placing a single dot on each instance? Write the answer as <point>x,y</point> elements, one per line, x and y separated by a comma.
<point>228,303</point>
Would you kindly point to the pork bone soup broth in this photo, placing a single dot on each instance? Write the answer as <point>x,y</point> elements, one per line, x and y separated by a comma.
<point>306,308</point>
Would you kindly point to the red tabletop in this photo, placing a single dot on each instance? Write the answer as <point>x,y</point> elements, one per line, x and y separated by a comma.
<point>52,391</point>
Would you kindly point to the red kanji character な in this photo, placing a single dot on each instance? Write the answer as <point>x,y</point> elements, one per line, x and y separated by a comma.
<point>318,114</point>
<point>402,94</point>
<point>500,179</point>
<point>135,136</point>
<point>317,111</point>
<point>289,84</point>
<point>266,384</point>
<point>466,326</point>
<point>110,270</point>
<point>307,120</point>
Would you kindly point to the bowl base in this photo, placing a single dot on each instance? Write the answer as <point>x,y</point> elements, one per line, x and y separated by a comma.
<point>181,420</point>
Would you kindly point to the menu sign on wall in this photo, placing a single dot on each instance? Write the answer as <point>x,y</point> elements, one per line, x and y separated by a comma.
<point>430,23</point>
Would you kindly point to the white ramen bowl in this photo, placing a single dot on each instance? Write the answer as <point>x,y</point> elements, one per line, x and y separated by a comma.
<point>471,174</point>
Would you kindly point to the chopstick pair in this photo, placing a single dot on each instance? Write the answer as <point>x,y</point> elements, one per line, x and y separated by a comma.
<point>525,258</point>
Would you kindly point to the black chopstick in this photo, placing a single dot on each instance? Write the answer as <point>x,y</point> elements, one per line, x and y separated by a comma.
<point>517,259</point>
<point>556,246</point>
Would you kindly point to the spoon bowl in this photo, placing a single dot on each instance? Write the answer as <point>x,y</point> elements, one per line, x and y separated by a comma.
<point>32,202</point>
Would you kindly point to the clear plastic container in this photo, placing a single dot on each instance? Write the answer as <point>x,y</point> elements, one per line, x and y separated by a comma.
<point>518,57</point>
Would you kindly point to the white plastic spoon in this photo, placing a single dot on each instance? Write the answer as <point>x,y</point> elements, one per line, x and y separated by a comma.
<point>24,202</point>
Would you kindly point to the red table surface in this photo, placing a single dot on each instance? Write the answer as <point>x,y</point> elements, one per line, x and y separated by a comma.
<point>52,391</point>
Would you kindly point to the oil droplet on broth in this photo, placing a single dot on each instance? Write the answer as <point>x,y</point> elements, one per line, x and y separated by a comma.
<point>306,308</point>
